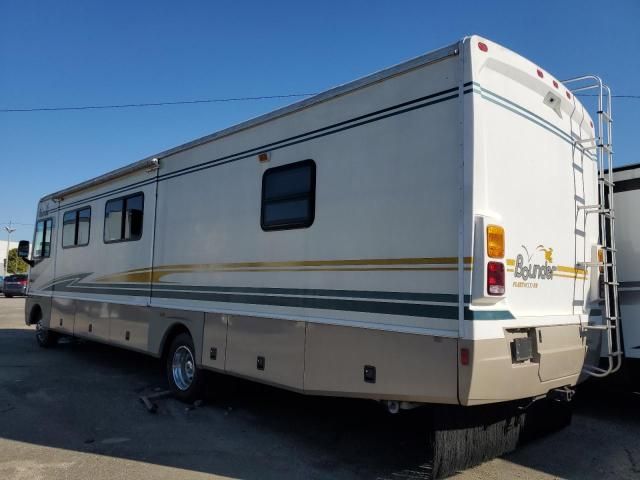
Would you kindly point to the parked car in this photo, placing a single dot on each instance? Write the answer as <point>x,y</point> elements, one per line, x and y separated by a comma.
<point>13,285</point>
<point>1,282</point>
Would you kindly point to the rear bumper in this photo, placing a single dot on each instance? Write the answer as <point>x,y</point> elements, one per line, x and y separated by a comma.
<point>492,375</point>
<point>15,291</point>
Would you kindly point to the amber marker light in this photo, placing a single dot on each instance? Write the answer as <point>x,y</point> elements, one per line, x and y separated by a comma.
<point>495,241</point>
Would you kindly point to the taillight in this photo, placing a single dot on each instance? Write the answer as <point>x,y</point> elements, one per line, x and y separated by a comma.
<point>495,278</point>
<point>495,241</point>
<point>23,282</point>
<point>464,356</point>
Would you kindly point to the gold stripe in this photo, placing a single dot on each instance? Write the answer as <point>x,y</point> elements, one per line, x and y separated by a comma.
<point>561,268</point>
<point>579,271</point>
<point>144,275</point>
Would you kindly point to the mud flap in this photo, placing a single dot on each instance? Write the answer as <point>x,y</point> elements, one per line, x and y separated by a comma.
<point>463,437</point>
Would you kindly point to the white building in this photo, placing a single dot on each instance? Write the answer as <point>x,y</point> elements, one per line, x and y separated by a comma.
<point>3,252</point>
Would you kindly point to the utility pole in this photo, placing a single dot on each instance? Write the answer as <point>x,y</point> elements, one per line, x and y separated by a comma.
<point>9,232</point>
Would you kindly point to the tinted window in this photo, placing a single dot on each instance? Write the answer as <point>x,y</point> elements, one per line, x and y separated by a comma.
<point>15,278</point>
<point>42,238</point>
<point>123,218</point>
<point>133,219</point>
<point>84,226</point>
<point>288,196</point>
<point>75,228</point>
<point>69,229</point>
<point>113,220</point>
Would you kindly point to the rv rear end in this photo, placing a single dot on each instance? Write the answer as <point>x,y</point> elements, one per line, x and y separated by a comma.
<point>528,235</point>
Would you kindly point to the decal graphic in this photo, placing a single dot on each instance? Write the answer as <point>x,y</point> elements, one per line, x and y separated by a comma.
<point>526,267</point>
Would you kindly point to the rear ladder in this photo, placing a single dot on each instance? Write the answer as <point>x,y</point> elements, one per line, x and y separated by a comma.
<point>603,145</point>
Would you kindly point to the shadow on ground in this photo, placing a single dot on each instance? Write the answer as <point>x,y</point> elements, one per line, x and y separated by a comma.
<point>84,397</point>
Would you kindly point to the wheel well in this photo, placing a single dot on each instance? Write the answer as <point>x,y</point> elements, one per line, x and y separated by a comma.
<point>35,314</point>
<point>175,330</point>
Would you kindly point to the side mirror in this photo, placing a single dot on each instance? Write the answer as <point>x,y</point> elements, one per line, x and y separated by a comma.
<point>23,252</point>
<point>23,249</point>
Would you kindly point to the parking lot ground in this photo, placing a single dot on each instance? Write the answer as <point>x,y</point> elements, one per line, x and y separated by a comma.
<point>73,412</point>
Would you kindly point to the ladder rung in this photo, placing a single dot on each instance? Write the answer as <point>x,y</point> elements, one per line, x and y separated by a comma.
<point>611,249</point>
<point>593,264</point>
<point>607,182</point>
<point>610,283</point>
<point>589,207</point>
<point>585,140</point>
<point>606,147</point>
<point>606,116</point>
<point>598,327</point>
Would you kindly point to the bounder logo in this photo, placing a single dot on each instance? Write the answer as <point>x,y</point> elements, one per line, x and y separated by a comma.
<point>527,269</point>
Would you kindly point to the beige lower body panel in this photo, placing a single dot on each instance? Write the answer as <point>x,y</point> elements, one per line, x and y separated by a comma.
<point>408,367</point>
<point>332,360</point>
<point>492,375</point>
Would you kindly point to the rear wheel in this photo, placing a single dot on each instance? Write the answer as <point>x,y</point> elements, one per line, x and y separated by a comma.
<point>8,295</point>
<point>46,338</point>
<point>185,379</point>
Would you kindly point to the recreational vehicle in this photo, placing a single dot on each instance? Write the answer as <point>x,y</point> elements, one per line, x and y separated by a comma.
<point>627,236</point>
<point>422,235</point>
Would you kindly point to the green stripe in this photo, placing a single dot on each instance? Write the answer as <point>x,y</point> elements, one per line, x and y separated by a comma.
<point>487,314</point>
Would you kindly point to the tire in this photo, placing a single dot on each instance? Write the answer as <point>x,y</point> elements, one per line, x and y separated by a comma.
<point>8,295</point>
<point>185,379</point>
<point>46,338</point>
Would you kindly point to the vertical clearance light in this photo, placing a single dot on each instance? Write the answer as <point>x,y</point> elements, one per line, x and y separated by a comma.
<point>495,241</point>
<point>495,270</point>
<point>495,278</point>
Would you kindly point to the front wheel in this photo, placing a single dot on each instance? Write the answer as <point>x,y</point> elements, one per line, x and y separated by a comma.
<point>185,379</point>
<point>46,338</point>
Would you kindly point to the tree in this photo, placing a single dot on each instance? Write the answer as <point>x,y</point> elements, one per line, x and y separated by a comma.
<point>16,264</point>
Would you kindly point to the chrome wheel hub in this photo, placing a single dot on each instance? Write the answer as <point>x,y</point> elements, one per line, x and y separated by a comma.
<point>183,367</point>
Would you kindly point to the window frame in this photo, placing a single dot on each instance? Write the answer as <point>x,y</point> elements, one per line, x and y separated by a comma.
<point>123,219</point>
<point>311,195</point>
<point>44,236</point>
<point>77,227</point>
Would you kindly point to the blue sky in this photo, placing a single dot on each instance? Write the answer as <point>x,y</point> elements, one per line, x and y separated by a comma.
<point>74,52</point>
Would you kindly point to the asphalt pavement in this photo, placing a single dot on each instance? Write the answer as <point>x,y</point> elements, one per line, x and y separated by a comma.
<point>74,412</point>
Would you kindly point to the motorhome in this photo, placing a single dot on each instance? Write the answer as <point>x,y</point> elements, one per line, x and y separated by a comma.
<point>419,236</point>
<point>627,235</point>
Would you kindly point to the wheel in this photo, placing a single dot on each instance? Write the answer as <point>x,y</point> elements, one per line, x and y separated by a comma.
<point>185,379</point>
<point>46,338</point>
<point>8,295</point>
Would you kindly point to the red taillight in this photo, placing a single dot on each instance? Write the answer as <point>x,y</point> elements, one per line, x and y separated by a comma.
<point>483,46</point>
<point>464,356</point>
<point>23,282</point>
<point>495,278</point>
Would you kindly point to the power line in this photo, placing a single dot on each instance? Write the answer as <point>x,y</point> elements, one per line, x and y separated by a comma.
<point>151,104</point>
<point>193,102</point>
<point>612,96</point>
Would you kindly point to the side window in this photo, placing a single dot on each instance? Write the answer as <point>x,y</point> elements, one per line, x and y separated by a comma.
<point>288,196</point>
<point>123,218</point>
<point>75,228</point>
<point>42,239</point>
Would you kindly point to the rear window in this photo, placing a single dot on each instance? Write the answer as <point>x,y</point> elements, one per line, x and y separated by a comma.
<point>15,278</point>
